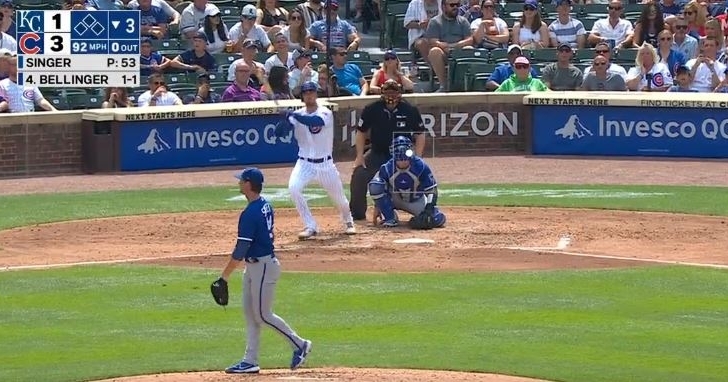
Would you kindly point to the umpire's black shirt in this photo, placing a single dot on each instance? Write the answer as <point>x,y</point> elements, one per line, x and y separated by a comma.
<point>385,124</point>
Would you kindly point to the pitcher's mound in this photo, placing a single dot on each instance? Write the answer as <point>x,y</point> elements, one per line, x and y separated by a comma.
<point>329,374</point>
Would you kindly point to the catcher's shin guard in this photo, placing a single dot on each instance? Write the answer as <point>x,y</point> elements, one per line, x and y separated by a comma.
<point>382,199</point>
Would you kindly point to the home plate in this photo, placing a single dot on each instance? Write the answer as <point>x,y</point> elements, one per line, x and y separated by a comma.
<point>414,240</point>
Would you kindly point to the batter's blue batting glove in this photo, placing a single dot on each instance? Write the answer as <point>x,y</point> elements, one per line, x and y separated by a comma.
<point>309,120</point>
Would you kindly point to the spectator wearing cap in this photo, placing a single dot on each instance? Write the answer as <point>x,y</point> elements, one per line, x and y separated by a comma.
<point>521,80</point>
<point>530,32</point>
<point>602,49</point>
<point>249,52</point>
<point>649,74</point>
<point>240,90</point>
<point>682,41</point>
<point>271,16</point>
<point>246,29</point>
<point>155,17</point>
<point>684,81</point>
<point>16,98</point>
<point>600,79</point>
<point>706,70</point>
<point>446,32</point>
<point>562,75</point>
<point>204,94</point>
<point>282,56</point>
<point>343,34</point>
<point>196,59</point>
<point>613,29</point>
<point>7,24</point>
<point>349,77</point>
<point>297,33</point>
<point>302,71</point>
<point>505,70</point>
<point>193,17</point>
<point>216,31</point>
<point>104,5</point>
<point>158,93</point>
<point>390,69</point>
<point>667,54</point>
<point>489,31</point>
<point>149,60</point>
<point>566,29</point>
<point>312,11</point>
<point>5,55</point>
<point>418,16</point>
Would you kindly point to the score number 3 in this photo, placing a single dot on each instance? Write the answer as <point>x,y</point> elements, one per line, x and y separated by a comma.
<point>130,27</point>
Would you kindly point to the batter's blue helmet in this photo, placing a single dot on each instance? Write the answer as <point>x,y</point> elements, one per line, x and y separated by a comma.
<point>308,87</point>
<point>402,148</point>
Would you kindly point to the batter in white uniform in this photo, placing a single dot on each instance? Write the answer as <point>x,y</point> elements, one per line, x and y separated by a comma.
<point>313,127</point>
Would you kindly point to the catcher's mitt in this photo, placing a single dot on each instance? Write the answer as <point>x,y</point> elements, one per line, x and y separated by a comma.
<point>425,220</point>
<point>219,291</point>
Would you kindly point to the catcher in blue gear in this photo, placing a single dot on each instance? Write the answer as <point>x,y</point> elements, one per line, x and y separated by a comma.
<point>406,183</point>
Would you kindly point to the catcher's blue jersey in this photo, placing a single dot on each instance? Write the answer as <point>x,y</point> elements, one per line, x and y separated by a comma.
<point>256,227</point>
<point>411,183</point>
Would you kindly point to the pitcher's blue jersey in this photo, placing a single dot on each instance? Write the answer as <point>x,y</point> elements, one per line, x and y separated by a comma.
<point>256,227</point>
<point>410,184</point>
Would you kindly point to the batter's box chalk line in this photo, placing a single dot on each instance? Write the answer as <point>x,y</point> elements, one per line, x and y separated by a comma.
<point>413,240</point>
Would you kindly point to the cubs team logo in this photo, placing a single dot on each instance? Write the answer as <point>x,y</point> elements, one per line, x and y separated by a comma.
<point>28,94</point>
<point>658,80</point>
<point>315,129</point>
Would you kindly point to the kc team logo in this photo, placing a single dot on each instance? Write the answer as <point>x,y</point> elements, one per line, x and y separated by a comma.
<point>573,129</point>
<point>153,144</point>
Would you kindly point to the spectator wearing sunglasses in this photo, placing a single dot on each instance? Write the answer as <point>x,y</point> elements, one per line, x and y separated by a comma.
<point>158,95</point>
<point>521,80</point>
<point>489,31</point>
<point>602,80</point>
<point>683,42</point>
<point>696,17</point>
<point>602,49</point>
<point>446,32</point>
<point>668,55</point>
<point>648,74</point>
<point>503,71</point>
<point>390,69</point>
<point>566,29</point>
<point>562,75</point>
<point>240,90</point>
<point>530,32</point>
<point>471,11</point>
<point>613,29</point>
<point>302,71</point>
<point>246,29</point>
<point>343,34</point>
<point>416,19</point>
<point>7,12</point>
<point>707,71</point>
<point>349,77</point>
<point>296,32</point>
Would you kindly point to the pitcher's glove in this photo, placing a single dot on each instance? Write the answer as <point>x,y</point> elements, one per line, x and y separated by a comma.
<point>425,220</point>
<point>219,291</point>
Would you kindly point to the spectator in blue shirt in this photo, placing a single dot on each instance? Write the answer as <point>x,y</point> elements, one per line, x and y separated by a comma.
<point>156,17</point>
<point>503,71</point>
<point>149,60</point>
<point>348,76</point>
<point>198,58</point>
<point>343,34</point>
<point>471,11</point>
<point>7,25</point>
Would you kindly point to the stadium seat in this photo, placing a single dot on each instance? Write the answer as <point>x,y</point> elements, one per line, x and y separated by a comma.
<point>358,56</point>
<point>59,102</point>
<point>511,10</point>
<point>180,89</point>
<point>84,101</point>
<point>458,70</point>
<point>318,58</point>
<point>229,10</point>
<point>289,4</point>
<point>175,78</point>
<point>546,55</point>
<point>625,56</point>
<point>599,11</point>
<point>167,45</point>
<point>219,3</point>
<point>477,70</point>
<point>181,6</point>
<point>214,77</point>
<point>470,53</point>
<point>263,56</point>
<point>231,20</point>
<point>225,58</point>
<point>64,92</point>
<point>498,56</point>
<point>588,22</point>
<point>584,55</point>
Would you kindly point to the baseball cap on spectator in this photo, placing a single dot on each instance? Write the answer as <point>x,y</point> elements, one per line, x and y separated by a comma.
<point>531,3</point>
<point>212,10</point>
<point>562,2</point>
<point>200,34</point>
<point>564,46</point>
<point>249,11</point>
<point>333,4</point>
<point>390,55</point>
<point>6,2</point>
<point>683,69</point>
<point>252,175</point>
<point>522,60</point>
<point>299,53</point>
<point>248,43</point>
<point>514,46</point>
<point>308,86</point>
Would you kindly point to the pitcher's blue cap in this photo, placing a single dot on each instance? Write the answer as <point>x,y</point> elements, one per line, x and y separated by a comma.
<point>251,174</point>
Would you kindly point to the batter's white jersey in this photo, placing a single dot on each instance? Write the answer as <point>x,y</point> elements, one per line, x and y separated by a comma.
<point>315,162</point>
<point>316,141</point>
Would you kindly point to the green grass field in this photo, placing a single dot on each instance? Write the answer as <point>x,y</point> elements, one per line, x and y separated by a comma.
<point>646,324</point>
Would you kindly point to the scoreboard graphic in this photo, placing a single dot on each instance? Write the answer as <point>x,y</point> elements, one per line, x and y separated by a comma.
<point>78,48</point>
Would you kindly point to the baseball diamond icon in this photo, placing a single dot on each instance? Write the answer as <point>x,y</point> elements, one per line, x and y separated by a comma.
<point>89,23</point>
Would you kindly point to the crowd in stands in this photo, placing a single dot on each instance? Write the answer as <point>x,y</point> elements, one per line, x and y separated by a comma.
<point>208,51</point>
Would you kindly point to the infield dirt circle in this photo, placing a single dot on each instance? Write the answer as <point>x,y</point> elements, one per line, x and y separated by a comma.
<point>476,239</point>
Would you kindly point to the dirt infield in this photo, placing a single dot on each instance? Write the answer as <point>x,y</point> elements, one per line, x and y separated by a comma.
<point>476,239</point>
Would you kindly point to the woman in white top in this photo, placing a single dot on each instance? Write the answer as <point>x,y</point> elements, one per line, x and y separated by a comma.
<point>215,30</point>
<point>296,32</point>
<point>490,31</point>
<point>530,32</point>
<point>648,74</point>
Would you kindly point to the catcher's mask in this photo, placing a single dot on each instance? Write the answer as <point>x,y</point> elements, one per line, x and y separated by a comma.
<point>402,149</point>
<point>391,92</point>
